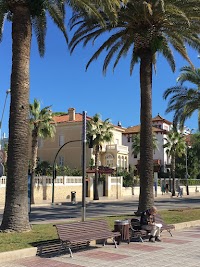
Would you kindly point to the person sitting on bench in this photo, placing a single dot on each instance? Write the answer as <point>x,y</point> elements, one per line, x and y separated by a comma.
<point>147,222</point>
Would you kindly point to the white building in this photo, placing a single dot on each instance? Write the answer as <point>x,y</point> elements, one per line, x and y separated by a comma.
<point>160,127</point>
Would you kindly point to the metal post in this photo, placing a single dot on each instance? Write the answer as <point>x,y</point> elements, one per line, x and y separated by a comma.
<point>84,166</point>
<point>54,163</point>
<point>186,170</point>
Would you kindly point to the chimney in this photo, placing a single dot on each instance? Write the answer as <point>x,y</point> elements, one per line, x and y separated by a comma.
<point>71,112</point>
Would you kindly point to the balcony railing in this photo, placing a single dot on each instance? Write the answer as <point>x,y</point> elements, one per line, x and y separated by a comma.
<point>117,148</point>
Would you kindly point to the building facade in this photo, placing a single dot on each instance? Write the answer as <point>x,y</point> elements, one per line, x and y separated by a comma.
<point>69,132</point>
<point>160,128</point>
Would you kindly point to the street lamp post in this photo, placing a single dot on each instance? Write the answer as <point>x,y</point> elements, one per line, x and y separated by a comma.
<point>54,167</point>
<point>186,170</point>
<point>7,92</point>
<point>83,166</point>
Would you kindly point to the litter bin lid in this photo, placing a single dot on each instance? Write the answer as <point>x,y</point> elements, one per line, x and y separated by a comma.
<point>121,222</point>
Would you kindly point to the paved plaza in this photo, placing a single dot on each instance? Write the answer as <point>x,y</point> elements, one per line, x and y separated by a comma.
<point>183,249</point>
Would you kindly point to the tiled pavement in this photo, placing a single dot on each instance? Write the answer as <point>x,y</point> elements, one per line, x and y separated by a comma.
<point>183,249</point>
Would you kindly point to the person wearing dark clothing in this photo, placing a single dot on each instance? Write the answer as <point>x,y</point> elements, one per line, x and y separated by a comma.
<point>147,222</point>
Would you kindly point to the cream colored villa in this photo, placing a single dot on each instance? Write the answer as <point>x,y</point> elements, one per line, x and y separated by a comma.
<point>160,127</point>
<point>69,128</point>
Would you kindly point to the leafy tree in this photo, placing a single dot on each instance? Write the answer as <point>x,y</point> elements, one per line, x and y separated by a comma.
<point>175,146</point>
<point>193,156</point>
<point>26,15</point>
<point>101,132</point>
<point>143,29</point>
<point>184,100</point>
<point>42,125</point>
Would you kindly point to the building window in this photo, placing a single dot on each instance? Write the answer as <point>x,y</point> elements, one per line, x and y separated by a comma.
<point>119,161</point>
<point>129,139</point>
<point>109,160</point>
<point>61,140</point>
<point>61,161</point>
<point>122,162</point>
<point>135,156</point>
<point>125,162</point>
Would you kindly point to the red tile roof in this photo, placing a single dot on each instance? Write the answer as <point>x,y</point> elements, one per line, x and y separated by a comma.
<point>159,118</point>
<point>65,118</point>
<point>136,129</point>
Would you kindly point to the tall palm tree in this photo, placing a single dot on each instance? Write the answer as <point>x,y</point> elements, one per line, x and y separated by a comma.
<point>175,146</point>
<point>26,15</point>
<point>184,100</point>
<point>143,29</point>
<point>42,125</point>
<point>100,132</point>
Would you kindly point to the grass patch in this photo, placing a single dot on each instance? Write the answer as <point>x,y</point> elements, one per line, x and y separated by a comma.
<point>43,232</point>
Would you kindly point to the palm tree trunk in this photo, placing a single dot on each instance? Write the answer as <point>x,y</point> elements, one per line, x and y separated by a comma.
<point>146,199</point>
<point>96,193</point>
<point>34,162</point>
<point>15,217</point>
<point>173,175</point>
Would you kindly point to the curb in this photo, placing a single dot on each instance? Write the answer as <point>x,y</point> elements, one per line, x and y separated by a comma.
<point>179,226</point>
<point>17,254</point>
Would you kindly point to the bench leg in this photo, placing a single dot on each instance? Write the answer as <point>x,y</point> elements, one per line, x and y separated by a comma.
<point>70,252</point>
<point>169,231</point>
<point>104,242</point>
<point>115,242</point>
<point>141,240</point>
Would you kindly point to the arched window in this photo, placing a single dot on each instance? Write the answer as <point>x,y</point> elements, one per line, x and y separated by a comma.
<point>119,161</point>
<point>123,162</point>
<point>109,160</point>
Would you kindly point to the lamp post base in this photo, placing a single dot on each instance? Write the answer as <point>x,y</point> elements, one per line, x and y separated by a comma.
<point>187,190</point>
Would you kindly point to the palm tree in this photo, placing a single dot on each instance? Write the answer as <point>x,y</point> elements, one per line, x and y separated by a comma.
<point>42,125</point>
<point>100,132</point>
<point>175,146</point>
<point>136,144</point>
<point>143,29</point>
<point>26,15</point>
<point>184,100</point>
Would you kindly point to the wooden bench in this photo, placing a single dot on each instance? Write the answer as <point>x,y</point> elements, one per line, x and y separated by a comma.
<point>83,232</point>
<point>165,226</point>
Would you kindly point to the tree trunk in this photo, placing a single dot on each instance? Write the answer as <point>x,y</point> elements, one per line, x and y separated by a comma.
<point>173,175</point>
<point>15,217</point>
<point>146,198</point>
<point>96,193</point>
<point>199,120</point>
<point>34,162</point>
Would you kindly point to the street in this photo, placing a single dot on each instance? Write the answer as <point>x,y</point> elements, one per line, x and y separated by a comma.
<point>48,213</point>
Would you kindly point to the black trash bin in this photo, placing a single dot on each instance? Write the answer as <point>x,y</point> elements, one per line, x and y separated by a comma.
<point>73,197</point>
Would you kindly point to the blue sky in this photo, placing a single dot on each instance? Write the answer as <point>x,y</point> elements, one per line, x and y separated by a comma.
<point>59,79</point>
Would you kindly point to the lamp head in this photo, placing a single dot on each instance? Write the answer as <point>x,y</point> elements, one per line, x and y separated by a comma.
<point>8,91</point>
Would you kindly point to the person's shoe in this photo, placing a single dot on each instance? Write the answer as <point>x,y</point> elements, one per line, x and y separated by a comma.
<point>152,239</point>
<point>158,239</point>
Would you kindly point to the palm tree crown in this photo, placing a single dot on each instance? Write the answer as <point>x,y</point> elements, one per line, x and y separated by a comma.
<point>136,143</point>
<point>41,125</point>
<point>143,29</point>
<point>184,100</point>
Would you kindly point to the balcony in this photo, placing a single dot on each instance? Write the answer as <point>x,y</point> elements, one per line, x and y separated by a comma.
<point>116,148</point>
